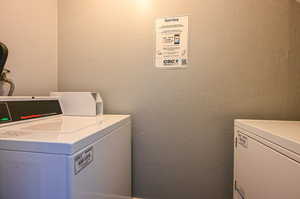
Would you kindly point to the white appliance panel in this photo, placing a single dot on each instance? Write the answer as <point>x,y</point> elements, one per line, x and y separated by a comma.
<point>25,175</point>
<point>108,176</point>
<point>263,170</point>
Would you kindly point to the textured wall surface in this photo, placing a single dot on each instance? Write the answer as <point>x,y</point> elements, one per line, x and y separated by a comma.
<point>294,59</point>
<point>29,29</point>
<point>243,64</point>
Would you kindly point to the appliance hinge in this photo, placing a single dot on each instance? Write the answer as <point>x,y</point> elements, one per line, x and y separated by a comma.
<point>235,142</point>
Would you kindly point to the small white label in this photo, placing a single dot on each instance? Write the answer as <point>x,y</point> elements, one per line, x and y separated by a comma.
<point>243,140</point>
<point>83,159</point>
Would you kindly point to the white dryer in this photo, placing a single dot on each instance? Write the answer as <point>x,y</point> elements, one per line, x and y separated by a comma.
<point>267,159</point>
<point>45,155</point>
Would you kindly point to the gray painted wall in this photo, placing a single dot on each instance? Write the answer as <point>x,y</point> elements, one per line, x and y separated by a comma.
<point>243,65</point>
<point>294,59</point>
<point>29,29</point>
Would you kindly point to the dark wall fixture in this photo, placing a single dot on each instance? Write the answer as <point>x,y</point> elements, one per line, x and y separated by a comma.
<point>4,72</point>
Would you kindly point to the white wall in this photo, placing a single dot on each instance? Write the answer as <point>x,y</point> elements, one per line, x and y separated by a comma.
<point>29,29</point>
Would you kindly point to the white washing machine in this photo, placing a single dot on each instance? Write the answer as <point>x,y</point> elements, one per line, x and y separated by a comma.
<point>45,155</point>
<point>267,159</point>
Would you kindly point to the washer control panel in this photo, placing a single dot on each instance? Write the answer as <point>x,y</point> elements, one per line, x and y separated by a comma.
<point>12,111</point>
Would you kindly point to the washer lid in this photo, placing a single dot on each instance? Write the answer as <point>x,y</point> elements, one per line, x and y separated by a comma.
<point>59,134</point>
<point>283,133</point>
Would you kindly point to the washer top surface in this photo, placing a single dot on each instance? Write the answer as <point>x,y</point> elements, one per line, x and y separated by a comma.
<point>58,134</point>
<point>283,133</point>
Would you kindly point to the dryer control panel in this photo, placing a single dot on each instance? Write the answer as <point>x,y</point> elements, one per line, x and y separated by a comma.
<point>15,110</point>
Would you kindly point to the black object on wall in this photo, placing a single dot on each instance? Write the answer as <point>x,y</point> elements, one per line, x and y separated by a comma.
<point>3,72</point>
<point>3,56</point>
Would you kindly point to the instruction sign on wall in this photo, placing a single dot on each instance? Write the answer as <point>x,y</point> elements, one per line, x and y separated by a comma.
<point>172,42</point>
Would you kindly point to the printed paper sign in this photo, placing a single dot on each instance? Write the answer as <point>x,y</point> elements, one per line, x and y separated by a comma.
<point>172,42</point>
